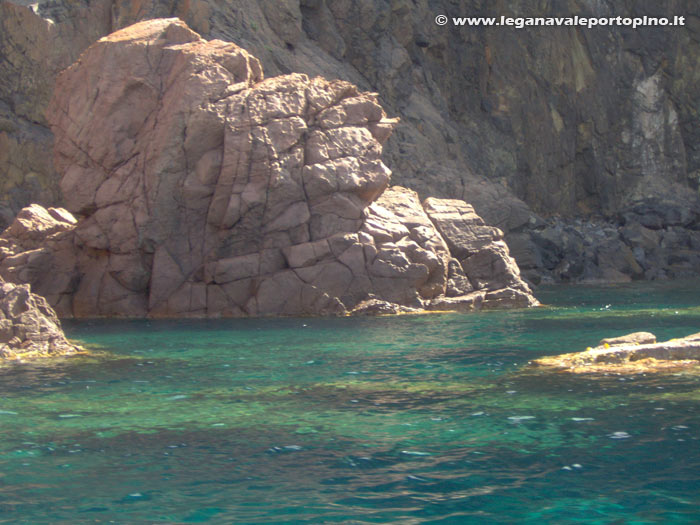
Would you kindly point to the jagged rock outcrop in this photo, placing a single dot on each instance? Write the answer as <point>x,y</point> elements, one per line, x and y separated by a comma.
<point>39,249</point>
<point>629,354</point>
<point>203,189</point>
<point>480,262</point>
<point>29,326</point>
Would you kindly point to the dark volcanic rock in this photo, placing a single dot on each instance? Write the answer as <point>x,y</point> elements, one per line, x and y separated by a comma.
<point>35,48</point>
<point>601,251</point>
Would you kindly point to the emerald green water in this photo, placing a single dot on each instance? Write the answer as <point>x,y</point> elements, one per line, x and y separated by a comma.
<point>414,419</point>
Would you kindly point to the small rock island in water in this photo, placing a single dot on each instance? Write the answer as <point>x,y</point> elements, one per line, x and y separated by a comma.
<point>629,354</point>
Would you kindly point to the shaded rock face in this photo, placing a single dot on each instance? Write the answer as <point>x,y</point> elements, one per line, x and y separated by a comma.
<point>203,189</point>
<point>589,123</point>
<point>599,251</point>
<point>29,326</point>
<point>480,259</point>
<point>35,49</point>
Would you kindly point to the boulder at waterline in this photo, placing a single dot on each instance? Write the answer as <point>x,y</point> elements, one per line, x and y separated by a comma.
<point>29,326</point>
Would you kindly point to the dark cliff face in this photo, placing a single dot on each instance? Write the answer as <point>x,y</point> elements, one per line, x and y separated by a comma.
<point>574,121</point>
<point>523,123</point>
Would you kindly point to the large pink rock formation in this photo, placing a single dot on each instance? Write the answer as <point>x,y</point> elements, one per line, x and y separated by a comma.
<point>202,189</point>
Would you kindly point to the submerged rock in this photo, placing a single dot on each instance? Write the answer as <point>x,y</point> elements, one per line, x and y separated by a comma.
<point>203,189</point>
<point>636,338</point>
<point>29,326</point>
<point>632,353</point>
<point>374,306</point>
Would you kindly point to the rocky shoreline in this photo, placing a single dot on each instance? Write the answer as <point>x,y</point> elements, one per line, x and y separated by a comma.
<point>561,142</point>
<point>634,353</point>
<point>195,187</point>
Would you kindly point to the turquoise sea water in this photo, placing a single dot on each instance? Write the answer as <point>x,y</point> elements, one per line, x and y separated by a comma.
<point>413,419</point>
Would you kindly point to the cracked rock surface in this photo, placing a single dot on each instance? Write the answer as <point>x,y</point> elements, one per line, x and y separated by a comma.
<point>29,326</point>
<point>199,188</point>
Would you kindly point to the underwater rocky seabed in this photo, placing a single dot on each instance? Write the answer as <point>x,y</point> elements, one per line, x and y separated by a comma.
<point>404,419</point>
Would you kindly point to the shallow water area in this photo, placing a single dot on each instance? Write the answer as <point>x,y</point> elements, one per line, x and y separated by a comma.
<point>407,419</point>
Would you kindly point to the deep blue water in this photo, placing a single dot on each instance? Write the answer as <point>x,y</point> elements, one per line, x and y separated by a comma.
<point>412,419</point>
